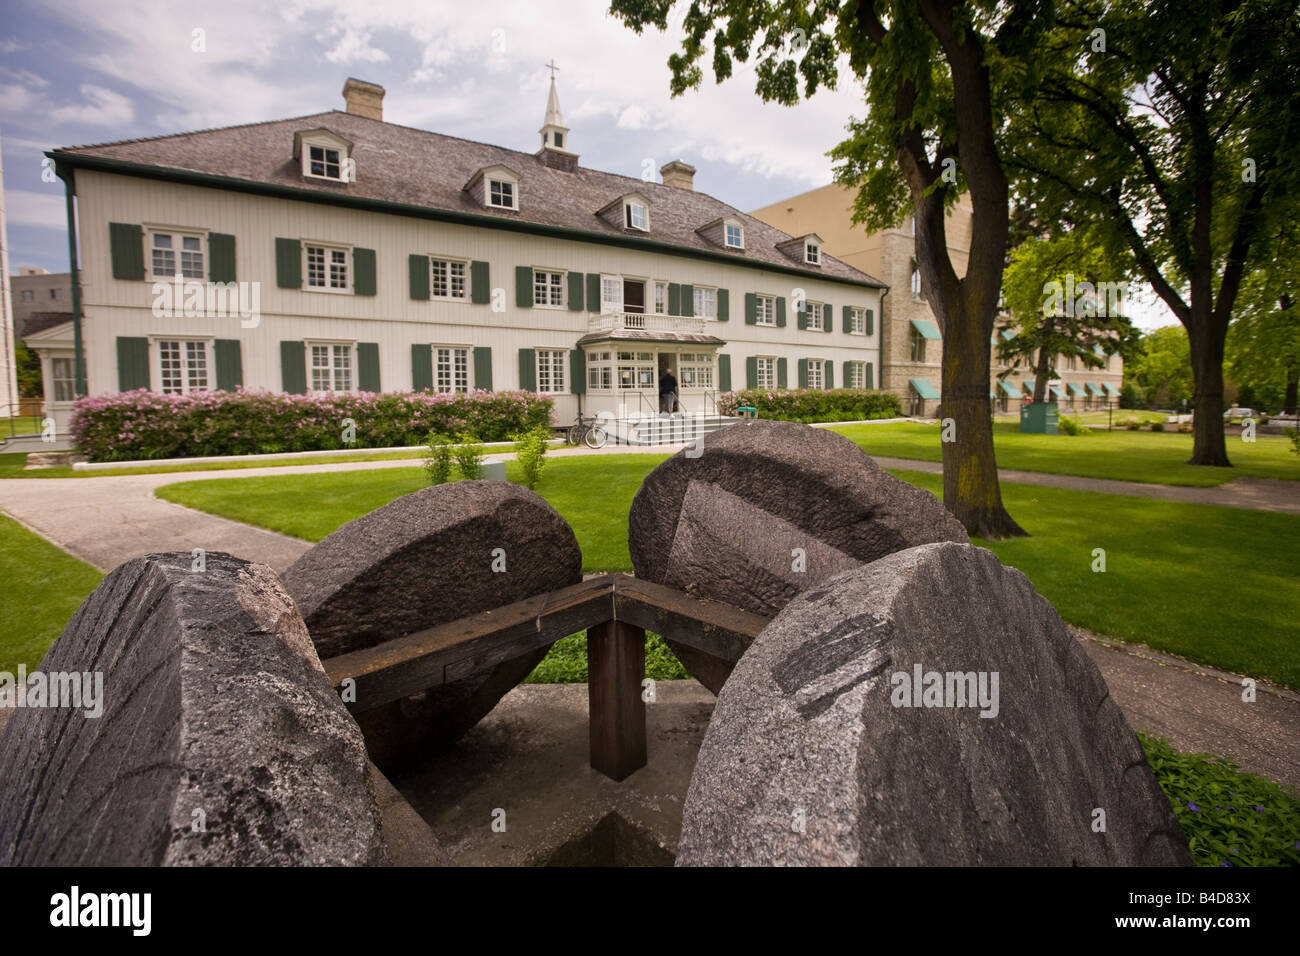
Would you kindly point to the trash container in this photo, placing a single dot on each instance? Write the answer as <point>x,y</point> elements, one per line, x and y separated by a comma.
<point>746,411</point>
<point>1038,419</point>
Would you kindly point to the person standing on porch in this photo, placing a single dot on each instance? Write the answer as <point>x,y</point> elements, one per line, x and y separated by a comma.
<point>667,392</point>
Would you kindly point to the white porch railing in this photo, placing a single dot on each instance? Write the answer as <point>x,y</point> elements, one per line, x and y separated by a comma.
<point>643,322</point>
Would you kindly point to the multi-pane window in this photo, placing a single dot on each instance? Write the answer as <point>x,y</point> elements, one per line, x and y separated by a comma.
<point>611,294</point>
<point>637,216</point>
<point>706,303</point>
<point>325,162</point>
<point>448,279</point>
<point>813,253</point>
<point>327,268</point>
<point>815,377</point>
<point>331,368</point>
<point>172,253</point>
<point>856,375</point>
<point>182,366</point>
<point>661,298</point>
<point>916,280</point>
<point>600,370</point>
<point>28,296</point>
<point>918,346</point>
<point>450,369</point>
<point>814,310</point>
<point>501,193</point>
<point>766,372</point>
<point>550,371</point>
<point>696,369</point>
<point>548,288</point>
<point>735,236</point>
<point>636,370</point>
<point>858,321</point>
<point>57,294</point>
<point>766,310</point>
<point>61,371</point>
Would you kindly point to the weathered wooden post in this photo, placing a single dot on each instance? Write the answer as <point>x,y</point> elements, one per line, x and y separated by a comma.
<point>616,666</point>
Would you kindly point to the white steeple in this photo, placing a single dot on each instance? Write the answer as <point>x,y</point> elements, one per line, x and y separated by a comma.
<point>555,135</point>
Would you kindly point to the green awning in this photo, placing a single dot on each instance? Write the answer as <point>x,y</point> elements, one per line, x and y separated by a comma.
<point>1096,390</point>
<point>1077,389</point>
<point>1114,392</point>
<point>926,329</point>
<point>1008,334</point>
<point>1056,390</point>
<point>924,388</point>
<point>992,394</point>
<point>1010,390</point>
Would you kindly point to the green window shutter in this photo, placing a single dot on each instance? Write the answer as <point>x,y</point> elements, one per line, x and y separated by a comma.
<point>480,292</point>
<point>229,363</point>
<point>132,363</point>
<point>288,265</point>
<point>782,379</point>
<point>751,310</point>
<point>751,372</point>
<point>419,270</point>
<point>483,367</point>
<point>368,366</point>
<point>724,373</point>
<point>828,317</point>
<point>363,271</point>
<point>421,367</point>
<point>528,370</point>
<point>126,248</point>
<point>869,375</point>
<point>845,370</point>
<point>871,322</point>
<point>221,257</point>
<point>575,291</point>
<point>848,318</point>
<point>593,291</point>
<point>688,300</point>
<point>802,319</point>
<point>577,371</point>
<point>724,305</point>
<point>293,367</point>
<point>803,373</point>
<point>828,369</point>
<point>780,312</point>
<point>674,298</point>
<point>524,287</point>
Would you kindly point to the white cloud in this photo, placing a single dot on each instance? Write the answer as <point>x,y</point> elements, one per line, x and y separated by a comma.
<point>634,117</point>
<point>24,207</point>
<point>103,107</point>
<point>353,46</point>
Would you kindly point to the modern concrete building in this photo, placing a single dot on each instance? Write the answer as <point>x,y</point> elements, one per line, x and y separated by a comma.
<point>38,292</point>
<point>339,252</point>
<point>911,344</point>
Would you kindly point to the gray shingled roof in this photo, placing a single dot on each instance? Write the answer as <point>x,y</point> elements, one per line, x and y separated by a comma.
<point>416,167</point>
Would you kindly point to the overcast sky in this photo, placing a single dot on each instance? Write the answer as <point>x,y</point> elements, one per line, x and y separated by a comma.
<point>93,71</point>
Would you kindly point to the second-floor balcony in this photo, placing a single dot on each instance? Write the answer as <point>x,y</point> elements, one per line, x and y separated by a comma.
<point>643,322</point>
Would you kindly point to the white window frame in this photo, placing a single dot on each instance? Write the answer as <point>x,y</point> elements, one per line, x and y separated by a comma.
<point>765,305</point>
<point>762,361</point>
<point>819,367</point>
<point>696,370</point>
<point>705,295</point>
<point>630,208</point>
<point>332,345</point>
<point>326,149</point>
<point>857,374</point>
<point>812,253</point>
<point>447,385</point>
<point>329,248</point>
<point>449,262</point>
<point>70,380</point>
<point>178,236</point>
<point>812,308</point>
<point>609,283</point>
<point>503,181</point>
<point>551,369</point>
<point>740,235</point>
<point>156,358</point>
<point>600,370</point>
<point>640,365</point>
<point>549,286</point>
<point>659,295</point>
<point>857,320</point>
<point>915,279</point>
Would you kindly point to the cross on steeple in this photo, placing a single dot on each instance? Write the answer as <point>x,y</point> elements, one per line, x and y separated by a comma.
<point>552,67</point>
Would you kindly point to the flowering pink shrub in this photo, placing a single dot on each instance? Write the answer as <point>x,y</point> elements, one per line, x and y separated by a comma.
<point>143,424</point>
<point>813,405</point>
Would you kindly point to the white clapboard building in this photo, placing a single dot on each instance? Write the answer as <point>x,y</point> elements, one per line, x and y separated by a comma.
<point>338,252</point>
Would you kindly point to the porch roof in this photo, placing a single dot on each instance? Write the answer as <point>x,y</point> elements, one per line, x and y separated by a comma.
<point>649,336</point>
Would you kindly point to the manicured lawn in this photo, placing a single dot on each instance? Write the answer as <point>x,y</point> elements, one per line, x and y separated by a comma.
<point>42,587</point>
<point>1158,457</point>
<point>22,425</point>
<point>1216,585</point>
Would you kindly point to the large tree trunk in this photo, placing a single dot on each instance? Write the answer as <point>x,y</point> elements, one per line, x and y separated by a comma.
<point>1209,446</point>
<point>1292,380</point>
<point>1044,368</point>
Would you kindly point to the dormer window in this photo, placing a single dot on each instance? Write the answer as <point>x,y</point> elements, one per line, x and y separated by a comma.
<point>496,187</point>
<point>735,235</point>
<point>324,155</point>
<point>637,215</point>
<point>324,162</point>
<point>501,194</point>
<point>813,254</point>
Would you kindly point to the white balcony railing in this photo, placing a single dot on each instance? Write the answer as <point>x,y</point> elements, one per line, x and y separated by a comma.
<point>643,322</point>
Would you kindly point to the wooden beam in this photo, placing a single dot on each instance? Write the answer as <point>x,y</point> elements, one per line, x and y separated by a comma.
<point>616,718</point>
<point>439,655</point>
<point>717,629</point>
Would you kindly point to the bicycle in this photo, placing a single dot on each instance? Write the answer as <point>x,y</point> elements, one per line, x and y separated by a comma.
<point>586,430</point>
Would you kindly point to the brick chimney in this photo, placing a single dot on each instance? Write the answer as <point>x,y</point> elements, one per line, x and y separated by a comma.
<point>364,99</point>
<point>679,174</point>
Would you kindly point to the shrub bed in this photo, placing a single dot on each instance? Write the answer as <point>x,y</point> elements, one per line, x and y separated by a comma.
<point>813,405</point>
<point>144,425</point>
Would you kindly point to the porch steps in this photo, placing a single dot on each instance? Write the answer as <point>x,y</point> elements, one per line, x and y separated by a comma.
<point>665,430</point>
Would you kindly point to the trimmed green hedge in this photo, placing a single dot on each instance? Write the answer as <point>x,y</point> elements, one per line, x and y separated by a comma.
<point>814,405</point>
<point>129,426</point>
